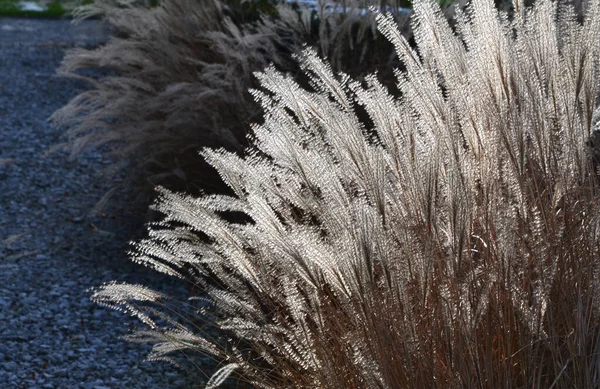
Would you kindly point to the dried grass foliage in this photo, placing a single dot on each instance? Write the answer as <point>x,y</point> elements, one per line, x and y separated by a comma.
<point>449,242</point>
<point>178,79</point>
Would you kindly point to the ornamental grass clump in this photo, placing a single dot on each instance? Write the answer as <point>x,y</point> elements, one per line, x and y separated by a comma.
<point>450,240</point>
<point>175,79</point>
<point>177,74</point>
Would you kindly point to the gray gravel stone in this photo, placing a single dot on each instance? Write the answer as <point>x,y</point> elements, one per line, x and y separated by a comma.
<point>51,250</point>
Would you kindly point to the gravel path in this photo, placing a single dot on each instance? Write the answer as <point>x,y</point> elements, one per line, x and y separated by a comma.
<point>51,250</point>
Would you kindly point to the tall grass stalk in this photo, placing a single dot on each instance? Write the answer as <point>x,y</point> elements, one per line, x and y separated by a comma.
<point>449,241</point>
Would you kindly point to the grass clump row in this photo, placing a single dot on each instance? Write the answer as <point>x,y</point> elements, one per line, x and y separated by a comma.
<point>442,234</point>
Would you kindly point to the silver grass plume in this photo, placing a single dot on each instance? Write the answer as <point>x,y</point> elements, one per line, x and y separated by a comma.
<point>450,241</point>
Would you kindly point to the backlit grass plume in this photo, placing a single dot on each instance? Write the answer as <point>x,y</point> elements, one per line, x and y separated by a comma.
<point>448,241</point>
